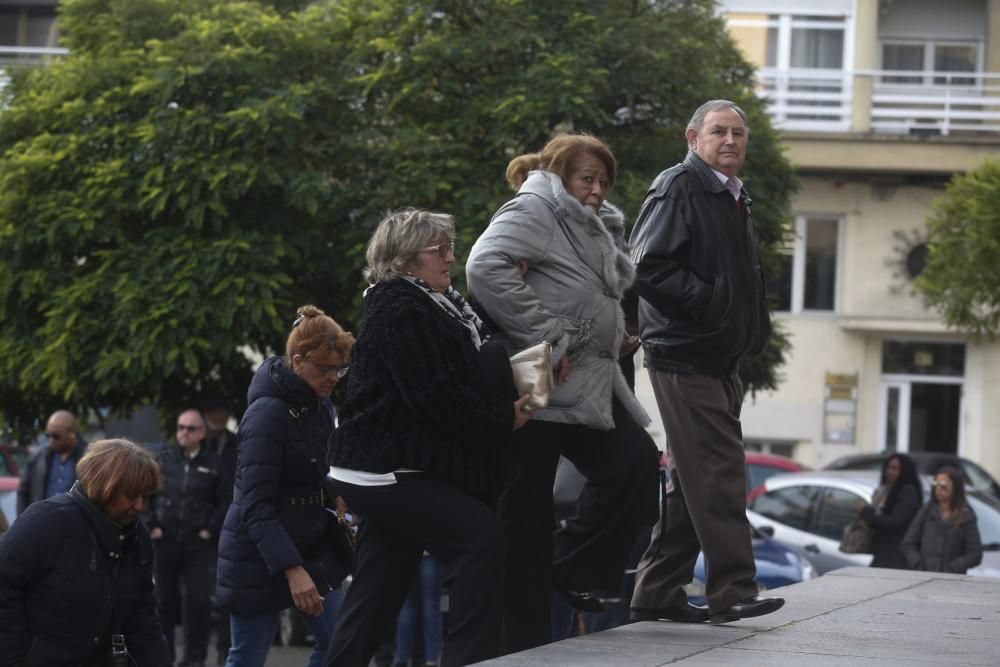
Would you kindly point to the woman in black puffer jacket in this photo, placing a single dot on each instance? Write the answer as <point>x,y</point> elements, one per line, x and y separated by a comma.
<point>275,548</point>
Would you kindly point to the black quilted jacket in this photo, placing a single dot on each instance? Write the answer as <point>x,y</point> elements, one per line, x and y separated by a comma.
<point>417,397</point>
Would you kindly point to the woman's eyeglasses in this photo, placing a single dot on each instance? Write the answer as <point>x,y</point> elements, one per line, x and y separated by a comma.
<point>188,427</point>
<point>441,249</point>
<point>332,371</point>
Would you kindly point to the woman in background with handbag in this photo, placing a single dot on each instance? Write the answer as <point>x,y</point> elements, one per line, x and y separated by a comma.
<point>417,454</point>
<point>276,549</point>
<point>552,266</point>
<point>893,506</point>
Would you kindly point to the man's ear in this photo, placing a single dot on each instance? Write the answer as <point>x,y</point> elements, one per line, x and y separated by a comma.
<point>691,135</point>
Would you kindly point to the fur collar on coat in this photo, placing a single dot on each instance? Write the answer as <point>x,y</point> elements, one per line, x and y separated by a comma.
<point>607,224</point>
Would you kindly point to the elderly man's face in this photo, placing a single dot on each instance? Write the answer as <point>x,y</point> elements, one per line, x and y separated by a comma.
<point>60,433</point>
<point>721,141</point>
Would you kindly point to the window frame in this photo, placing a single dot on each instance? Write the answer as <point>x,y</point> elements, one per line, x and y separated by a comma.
<point>928,75</point>
<point>798,277</point>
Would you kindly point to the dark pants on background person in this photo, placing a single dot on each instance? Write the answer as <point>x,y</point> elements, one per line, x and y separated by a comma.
<point>253,634</point>
<point>706,508</point>
<point>422,610</point>
<point>589,552</point>
<point>398,523</point>
<point>189,563</point>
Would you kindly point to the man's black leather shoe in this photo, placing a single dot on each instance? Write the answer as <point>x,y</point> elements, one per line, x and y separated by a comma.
<point>688,613</point>
<point>748,608</point>
<point>582,601</point>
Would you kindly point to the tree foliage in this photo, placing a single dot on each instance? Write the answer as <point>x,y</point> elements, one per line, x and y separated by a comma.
<point>962,274</point>
<point>195,169</point>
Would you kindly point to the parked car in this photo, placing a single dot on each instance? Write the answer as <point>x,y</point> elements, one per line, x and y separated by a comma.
<point>928,463</point>
<point>761,467</point>
<point>807,512</point>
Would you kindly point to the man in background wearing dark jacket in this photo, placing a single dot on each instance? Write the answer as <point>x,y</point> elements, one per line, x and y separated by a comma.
<point>52,470</point>
<point>702,310</point>
<point>222,441</point>
<point>184,519</point>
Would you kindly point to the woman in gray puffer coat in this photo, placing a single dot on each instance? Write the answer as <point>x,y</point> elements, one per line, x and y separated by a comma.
<point>944,536</point>
<point>552,266</point>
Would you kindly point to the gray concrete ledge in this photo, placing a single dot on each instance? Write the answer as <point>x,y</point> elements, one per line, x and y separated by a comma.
<point>855,616</point>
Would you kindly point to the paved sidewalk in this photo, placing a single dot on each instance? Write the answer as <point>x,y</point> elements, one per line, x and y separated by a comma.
<point>855,616</point>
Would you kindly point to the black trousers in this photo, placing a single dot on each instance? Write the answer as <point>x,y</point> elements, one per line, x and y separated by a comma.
<point>706,508</point>
<point>590,551</point>
<point>187,563</point>
<point>399,522</point>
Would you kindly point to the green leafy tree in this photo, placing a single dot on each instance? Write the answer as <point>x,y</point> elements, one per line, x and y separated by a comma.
<point>962,274</point>
<point>195,169</point>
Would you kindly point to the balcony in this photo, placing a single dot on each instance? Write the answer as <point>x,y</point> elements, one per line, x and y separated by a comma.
<point>890,102</point>
<point>25,56</point>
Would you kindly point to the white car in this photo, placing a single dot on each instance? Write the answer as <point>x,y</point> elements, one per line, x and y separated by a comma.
<point>807,512</point>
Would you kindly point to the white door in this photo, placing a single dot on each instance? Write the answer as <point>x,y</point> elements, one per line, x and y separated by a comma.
<point>894,416</point>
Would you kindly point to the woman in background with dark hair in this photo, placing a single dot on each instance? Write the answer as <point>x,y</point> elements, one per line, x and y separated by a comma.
<point>944,537</point>
<point>893,507</point>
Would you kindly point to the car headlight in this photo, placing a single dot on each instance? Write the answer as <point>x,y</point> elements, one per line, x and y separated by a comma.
<point>808,571</point>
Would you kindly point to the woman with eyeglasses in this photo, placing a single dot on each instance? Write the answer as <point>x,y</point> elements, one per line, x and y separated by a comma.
<point>417,454</point>
<point>553,265</point>
<point>276,548</point>
<point>944,536</point>
<point>896,502</point>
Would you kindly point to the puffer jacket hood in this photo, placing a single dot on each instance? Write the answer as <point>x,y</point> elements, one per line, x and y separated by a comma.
<point>274,379</point>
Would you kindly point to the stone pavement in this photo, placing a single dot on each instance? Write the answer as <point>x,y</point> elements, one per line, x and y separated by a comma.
<point>855,616</point>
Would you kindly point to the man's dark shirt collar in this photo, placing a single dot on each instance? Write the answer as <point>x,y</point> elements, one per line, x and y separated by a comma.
<point>704,173</point>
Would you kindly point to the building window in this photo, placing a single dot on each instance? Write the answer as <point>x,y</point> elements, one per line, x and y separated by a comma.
<point>806,276</point>
<point>926,56</point>
<point>923,358</point>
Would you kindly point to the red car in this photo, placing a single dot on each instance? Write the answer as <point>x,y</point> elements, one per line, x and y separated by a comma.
<point>11,460</point>
<point>759,468</point>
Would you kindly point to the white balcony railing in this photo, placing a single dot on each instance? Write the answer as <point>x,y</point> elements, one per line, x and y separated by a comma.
<point>882,101</point>
<point>25,56</point>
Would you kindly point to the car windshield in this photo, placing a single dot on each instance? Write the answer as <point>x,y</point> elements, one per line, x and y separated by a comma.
<point>988,519</point>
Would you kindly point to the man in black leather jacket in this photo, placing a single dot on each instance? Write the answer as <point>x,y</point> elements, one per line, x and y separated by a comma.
<point>702,310</point>
<point>184,519</point>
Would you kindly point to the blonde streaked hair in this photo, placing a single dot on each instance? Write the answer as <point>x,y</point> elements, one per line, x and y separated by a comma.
<point>393,247</point>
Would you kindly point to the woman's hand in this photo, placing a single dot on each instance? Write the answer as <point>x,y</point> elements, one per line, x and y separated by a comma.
<point>562,370</point>
<point>205,534</point>
<point>307,599</point>
<point>343,510</point>
<point>520,416</point>
<point>628,346</point>
<point>156,533</point>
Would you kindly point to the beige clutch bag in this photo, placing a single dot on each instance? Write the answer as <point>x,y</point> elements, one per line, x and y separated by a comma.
<point>532,370</point>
